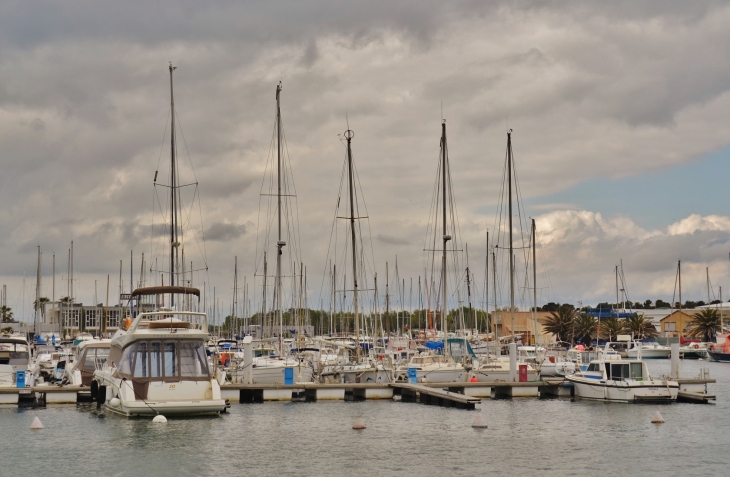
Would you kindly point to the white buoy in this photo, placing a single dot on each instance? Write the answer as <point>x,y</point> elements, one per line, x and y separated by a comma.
<point>359,423</point>
<point>657,419</point>
<point>479,422</point>
<point>36,424</point>
<point>159,419</point>
<point>115,402</point>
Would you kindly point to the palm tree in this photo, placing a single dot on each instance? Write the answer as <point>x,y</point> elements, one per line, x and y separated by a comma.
<point>7,314</point>
<point>640,327</point>
<point>560,323</point>
<point>586,327</point>
<point>705,325</point>
<point>611,327</point>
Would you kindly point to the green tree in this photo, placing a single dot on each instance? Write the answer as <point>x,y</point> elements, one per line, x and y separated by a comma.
<point>560,323</point>
<point>705,324</point>
<point>7,314</point>
<point>611,327</point>
<point>586,327</point>
<point>640,326</point>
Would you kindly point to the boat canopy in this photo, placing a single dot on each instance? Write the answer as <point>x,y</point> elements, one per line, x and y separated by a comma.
<point>161,290</point>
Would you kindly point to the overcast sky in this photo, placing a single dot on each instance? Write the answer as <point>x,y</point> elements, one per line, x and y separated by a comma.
<point>620,114</point>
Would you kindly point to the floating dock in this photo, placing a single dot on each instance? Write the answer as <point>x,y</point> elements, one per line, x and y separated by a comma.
<point>459,395</point>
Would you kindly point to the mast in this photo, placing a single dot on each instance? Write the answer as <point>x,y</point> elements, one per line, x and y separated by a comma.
<point>534,284</point>
<point>387,300</point>
<point>511,256</point>
<point>279,243</point>
<point>679,274</point>
<point>235,295</point>
<point>446,237</point>
<point>494,284</point>
<point>707,271</point>
<point>349,134</point>
<point>37,292</point>
<point>174,243</point>
<point>616,290</point>
<point>263,303</point>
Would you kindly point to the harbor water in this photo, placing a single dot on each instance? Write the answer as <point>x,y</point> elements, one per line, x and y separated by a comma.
<point>525,436</point>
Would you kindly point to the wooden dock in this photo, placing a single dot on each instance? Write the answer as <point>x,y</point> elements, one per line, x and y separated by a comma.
<point>428,394</point>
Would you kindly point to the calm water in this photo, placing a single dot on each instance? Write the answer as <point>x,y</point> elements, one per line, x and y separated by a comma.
<point>525,436</point>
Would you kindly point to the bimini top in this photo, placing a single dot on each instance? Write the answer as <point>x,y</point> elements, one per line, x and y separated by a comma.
<point>165,289</point>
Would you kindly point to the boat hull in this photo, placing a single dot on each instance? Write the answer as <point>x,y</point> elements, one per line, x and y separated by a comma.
<point>618,391</point>
<point>719,357</point>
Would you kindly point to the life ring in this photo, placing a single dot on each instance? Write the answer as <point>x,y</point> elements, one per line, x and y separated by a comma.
<point>696,346</point>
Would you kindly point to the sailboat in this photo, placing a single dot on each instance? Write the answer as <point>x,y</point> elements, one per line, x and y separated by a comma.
<point>268,366</point>
<point>489,369</point>
<point>357,366</point>
<point>441,367</point>
<point>158,364</point>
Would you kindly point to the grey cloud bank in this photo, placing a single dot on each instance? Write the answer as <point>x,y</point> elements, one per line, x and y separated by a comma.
<point>590,89</point>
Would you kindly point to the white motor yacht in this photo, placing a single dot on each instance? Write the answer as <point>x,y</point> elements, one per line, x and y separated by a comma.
<point>158,365</point>
<point>14,356</point>
<point>652,350</point>
<point>615,379</point>
<point>90,356</point>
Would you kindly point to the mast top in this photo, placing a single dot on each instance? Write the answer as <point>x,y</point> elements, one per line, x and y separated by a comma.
<point>278,90</point>
<point>349,134</point>
<point>172,68</point>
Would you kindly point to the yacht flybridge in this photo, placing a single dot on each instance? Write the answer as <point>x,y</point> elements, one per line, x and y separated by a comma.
<point>159,366</point>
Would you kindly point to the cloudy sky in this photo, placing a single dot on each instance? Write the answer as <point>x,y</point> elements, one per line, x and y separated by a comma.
<point>619,112</point>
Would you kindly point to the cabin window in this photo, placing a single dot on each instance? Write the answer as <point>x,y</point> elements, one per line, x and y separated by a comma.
<point>171,366</point>
<point>126,362</point>
<point>155,359</point>
<point>637,371</point>
<point>141,364</point>
<point>193,362</point>
<point>593,367</point>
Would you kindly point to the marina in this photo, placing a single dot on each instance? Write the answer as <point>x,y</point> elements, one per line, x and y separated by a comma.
<point>377,239</point>
<point>553,429</point>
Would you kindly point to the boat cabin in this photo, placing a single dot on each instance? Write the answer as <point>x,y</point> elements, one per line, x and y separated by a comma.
<point>15,352</point>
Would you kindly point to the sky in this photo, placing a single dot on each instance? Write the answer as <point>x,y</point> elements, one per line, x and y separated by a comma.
<point>619,115</point>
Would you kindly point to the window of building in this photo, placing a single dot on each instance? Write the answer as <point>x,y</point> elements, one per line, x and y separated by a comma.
<point>670,326</point>
<point>92,318</point>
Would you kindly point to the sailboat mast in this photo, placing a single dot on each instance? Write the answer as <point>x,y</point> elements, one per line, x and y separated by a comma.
<point>679,274</point>
<point>173,191</point>
<point>446,237</point>
<point>279,243</point>
<point>37,292</point>
<point>534,284</point>
<point>349,134</point>
<point>511,256</point>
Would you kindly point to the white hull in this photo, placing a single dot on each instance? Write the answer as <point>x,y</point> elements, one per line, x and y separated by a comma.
<point>275,375</point>
<point>649,353</point>
<point>183,398</point>
<point>443,374</point>
<point>617,391</point>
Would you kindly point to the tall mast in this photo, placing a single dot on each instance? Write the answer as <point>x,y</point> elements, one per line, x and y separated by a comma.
<point>534,284</point>
<point>616,290</point>
<point>511,256</point>
<point>387,300</point>
<point>37,292</point>
<point>707,271</point>
<point>174,243</point>
<point>349,134</point>
<point>679,274</point>
<point>446,237</point>
<point>279,243</point>
<point>494,295</point>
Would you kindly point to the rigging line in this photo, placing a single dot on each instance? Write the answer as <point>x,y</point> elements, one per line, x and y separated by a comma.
<point>261,190</point>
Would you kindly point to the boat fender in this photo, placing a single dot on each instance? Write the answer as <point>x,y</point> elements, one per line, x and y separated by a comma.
<point>94,389</point>
<point>101,395</point>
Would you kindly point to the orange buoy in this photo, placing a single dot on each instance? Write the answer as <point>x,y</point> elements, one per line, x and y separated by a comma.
<point>473,379</point>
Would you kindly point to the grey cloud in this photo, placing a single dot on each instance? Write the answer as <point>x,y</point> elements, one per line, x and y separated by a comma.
<point>392,240</point>
<point>225,232</point>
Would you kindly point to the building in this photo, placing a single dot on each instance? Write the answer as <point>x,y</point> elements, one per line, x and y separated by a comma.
<point>524,325</point>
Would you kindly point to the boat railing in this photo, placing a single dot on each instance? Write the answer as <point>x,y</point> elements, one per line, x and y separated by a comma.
<point>194,320</point>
